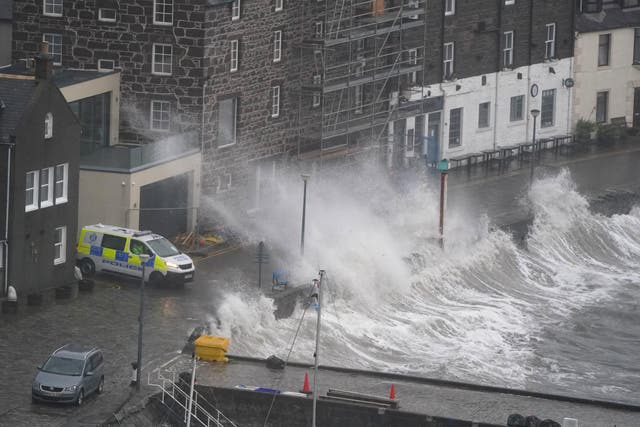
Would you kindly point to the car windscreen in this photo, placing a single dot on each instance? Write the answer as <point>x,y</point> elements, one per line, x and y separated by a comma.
<point>63,366</point>
<point>162,247</point>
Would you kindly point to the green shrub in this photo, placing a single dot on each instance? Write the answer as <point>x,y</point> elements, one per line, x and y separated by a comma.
<point>608,133</point>
<point>584,129</point>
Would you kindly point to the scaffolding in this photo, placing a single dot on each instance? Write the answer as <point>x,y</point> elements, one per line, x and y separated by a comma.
<point>361,69</point>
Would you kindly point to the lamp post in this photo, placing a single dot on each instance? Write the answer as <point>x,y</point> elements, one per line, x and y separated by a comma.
<point>534,113</point>
<point>305,178</point>
<point>143,260</point>
<point>443,167</point>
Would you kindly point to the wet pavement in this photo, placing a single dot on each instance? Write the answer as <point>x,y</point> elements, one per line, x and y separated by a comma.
<point>107,316</point>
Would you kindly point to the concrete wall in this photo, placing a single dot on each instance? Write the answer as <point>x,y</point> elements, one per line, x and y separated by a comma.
<point>620,77</point>
<point>114,198</point>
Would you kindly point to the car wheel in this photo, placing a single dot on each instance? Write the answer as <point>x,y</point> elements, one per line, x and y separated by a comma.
<point>80,398</point>
<point>87,267</point>
<point>100,386</point>
<point>156,279</point>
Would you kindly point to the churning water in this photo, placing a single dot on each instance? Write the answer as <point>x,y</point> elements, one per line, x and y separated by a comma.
<point>557,313</point>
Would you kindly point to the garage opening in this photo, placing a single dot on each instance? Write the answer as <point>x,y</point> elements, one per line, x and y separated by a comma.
<point>164,206</point>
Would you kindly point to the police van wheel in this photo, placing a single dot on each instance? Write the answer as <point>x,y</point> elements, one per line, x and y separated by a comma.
<point>155,279</point>
<point>87,267</point>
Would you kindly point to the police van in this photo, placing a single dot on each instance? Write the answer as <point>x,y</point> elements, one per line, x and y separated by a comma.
<point>117,250</point>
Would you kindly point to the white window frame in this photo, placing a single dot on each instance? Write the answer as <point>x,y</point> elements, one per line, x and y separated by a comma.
<point>277,46</point>
<point>450,7</point>
<point>102,65</point>
<point>55,7</point>
<point>459,128</point>
<point>543,113</point>
<point>319,30</point>
<point>317,99</point>
<point>103,18</point>
<point>159,49</point>
<point>488,122</point>
<point>508,2</point>
<point>507,49</point>
<point>46,188</point>
<point>413,60</point>
<point>234,137</point>
<point>550,42</point>
<point>448,63</point>
<point>279,5</point>
<point>28,207</point>
<point>55,49</point>
<point>60,245</point>
<point>275,101</point>
<point>234,49</point>
<point>235,10</point>
<point>160,8</point>
<point>512,101</point>
<point>48,126</point>
<point>160,123</point>
<point>63,181</point>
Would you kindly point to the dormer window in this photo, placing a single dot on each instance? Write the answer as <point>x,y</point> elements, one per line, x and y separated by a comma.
<point>48,126</point>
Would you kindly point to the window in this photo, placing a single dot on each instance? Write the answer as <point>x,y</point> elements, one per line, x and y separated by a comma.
<point>316,95</point>
<point>107,15</point>
<point>275,101</point>
<point>55,46</point>
<point>603,49</point>
<point>450,7</point>
<point>61,178</point>
<point>46,187</point>
<point>358,99</point>
<point>113,242</point>
<point>48,126</point>
<point>547,108</point>
<point>60,245</point>
<point>52,7</point>
<point>31,192</point>
<point>163,12</point>
<point>448,61</point>
<point>508,2</point>
<point>279,5</point>
<point>413,60</point>
<point>234,55</point>
<point>507,49</point>
<point>106,64</point>
<point>591,6</point>
<point>517,108</point>
<point>162,59</point>
<point>160,115</point>
<point>636,47</point>
<point>319,29</point>
<point>455,127</point>
<point>227,111</point>
<point>235,10</point>
<point>630,3</point>
<point>602,104</point>
<point>550,43</point>
<point>483,114</point>
<point>277,46</point>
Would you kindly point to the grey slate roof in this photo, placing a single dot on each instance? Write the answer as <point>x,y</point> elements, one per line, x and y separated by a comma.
<point>608,19</point>
<point>6,10</point>
<point>15,95</point>
<point>61,76</point>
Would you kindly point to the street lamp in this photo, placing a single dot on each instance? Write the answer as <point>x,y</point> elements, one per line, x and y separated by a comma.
<point>443,167</point>
<point>534,113</point>
<point>305,178</point>
<point>143,260</point>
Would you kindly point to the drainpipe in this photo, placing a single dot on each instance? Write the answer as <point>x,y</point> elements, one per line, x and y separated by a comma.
<point>530,52</point>
<point>498,62</point>
<point>5,241</point>
<point>204,88</point>
<point>442,91</point>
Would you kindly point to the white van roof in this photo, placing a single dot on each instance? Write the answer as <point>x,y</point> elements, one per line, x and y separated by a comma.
<point>114,229</point>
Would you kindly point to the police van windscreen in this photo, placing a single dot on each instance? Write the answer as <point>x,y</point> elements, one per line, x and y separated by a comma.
<point>162,247</point>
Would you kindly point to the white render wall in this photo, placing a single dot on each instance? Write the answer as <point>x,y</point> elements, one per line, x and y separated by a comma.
<point>620,77</point>
<point>468,93</point>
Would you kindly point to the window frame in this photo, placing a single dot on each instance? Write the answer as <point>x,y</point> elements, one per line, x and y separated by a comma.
<point>275,102</point>
<point>236,11</point>
<point>46,187</point>
<point>102,18</point>
<point>484,124</point>
<point>509,2</point>
<point>53,6</point>
<point>55,49</point>
<point>61,244</point>
<point>550,42</point>
<point>448,62</point>
<point>636,46</point>
<point>48,125</point>
<point>28,207</point>
<point>319,30</point>
<point>543,112</point>
<point>105,69</point>
<point>601,46</point>
<point>161,111</point>
<point>507,49</point>
<point>64,196</point>
<point>602,116</point>
<point>412,60</point>
<point>162,55</point>
<point>234,61</point>
<point>515,100</point>
<point>277,45</point>
<point>279,5</point>
<point>157,12</point>
<point>458,129</point>
<point>234,111</point>
<point>317,98</point>
<point>449,7</point>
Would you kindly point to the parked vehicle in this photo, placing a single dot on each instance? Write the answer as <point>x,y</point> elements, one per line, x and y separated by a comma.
<point>71,373</point>
<point>117,250</point>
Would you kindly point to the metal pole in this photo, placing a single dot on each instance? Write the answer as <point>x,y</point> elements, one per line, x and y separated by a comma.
<point>143,261</point>
<point>305,178</point>
<point>5,253</point>
<point>260,259</point>
<point>315,370</point>
<point>533,145</point>
<point>443,201</point>
<point>193,381</point>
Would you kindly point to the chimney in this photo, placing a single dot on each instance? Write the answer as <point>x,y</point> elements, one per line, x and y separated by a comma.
<point>44,63</point>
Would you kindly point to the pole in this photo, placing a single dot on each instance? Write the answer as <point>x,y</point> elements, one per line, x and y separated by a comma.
<point>443,201</point>
<point>533,148</point>
<point>315,370</point>
<point>260,260</point>
<point>304,211</point>
<point>143,261</point>
<point>193,381</point>
<point>5,252</point>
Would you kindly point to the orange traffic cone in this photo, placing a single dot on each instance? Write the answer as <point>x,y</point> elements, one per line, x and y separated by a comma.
<point>392,393</point>
<point>305,386</point>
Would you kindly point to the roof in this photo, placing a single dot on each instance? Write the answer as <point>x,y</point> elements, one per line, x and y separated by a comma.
<point>6,10</point>
<point>62,77</point>
<point>121,231</point>
<point>607,19</point>
<point>14,94</point>
<point>74,351</point>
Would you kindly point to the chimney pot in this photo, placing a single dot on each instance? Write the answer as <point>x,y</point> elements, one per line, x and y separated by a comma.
<point>44,63</point>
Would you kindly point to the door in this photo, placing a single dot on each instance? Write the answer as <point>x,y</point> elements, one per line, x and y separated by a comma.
<point>136,248</point>
<point>636,108</point>
<point>114,257</point>
<point>164,206</point>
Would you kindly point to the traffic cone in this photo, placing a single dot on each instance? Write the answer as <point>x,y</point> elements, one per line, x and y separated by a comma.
<point>392,392</point>
<point>305,386</point>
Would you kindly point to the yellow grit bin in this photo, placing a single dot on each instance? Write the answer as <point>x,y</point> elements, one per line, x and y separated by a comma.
<point>212,348</point>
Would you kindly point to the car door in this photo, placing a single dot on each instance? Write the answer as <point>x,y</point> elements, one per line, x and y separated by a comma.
<point>136,248</point>
<point>87,381</point>
<point>94,379</point>
<point>114,257</point>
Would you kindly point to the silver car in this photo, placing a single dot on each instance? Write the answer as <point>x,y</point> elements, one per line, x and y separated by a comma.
<point>71,373</point>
